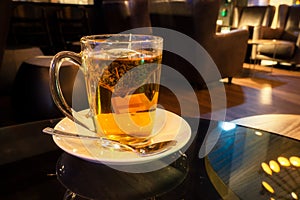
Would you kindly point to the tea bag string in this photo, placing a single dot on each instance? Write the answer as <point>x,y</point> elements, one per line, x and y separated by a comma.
<point>129,45</point>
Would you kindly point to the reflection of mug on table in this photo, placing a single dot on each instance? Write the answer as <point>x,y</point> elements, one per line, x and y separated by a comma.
<point>122,75</point>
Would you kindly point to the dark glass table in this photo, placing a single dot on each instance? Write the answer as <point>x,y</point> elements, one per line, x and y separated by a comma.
<point>33,167</point>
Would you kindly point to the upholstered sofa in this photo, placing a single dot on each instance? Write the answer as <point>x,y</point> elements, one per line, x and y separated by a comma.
<point>250,17</point>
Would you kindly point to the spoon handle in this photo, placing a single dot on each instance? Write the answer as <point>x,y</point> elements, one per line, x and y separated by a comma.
<point>53,131</point>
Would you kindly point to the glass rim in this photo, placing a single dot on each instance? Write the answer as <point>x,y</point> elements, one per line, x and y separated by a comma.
<point>104,38</point>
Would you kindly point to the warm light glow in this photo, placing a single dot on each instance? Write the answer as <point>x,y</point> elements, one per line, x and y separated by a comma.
<point>116,146</point>
<point>268,187</point>
<point>220,22</point>
<point>266,94</point>
<point>294,195</point>
<point>74,150</point>
<point>295,161</point>
<point>274,166</point>
<point>283,161</point>
<point>225,30</point>
<point>290,182</point>
<point>258,133</point>
<point>266,168</point>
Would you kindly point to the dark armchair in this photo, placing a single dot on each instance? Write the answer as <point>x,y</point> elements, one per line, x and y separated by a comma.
<point>251,16</point>
<point>226,49</point>
<point>287,31</point>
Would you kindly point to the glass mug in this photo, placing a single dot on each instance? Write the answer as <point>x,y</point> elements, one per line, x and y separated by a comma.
<point>122,76</point>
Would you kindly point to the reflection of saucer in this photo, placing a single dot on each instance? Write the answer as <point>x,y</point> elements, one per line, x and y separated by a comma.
<point>174,127</point>
<point>72,172</point>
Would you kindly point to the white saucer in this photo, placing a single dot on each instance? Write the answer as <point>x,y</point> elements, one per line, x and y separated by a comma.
<point>169,125</point>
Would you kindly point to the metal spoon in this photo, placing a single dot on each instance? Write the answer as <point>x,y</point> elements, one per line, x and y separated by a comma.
<point>147,150</point>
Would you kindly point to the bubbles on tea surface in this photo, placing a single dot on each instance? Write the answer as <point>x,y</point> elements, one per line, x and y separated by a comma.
<point>123,53</point>
<point>119,53</point>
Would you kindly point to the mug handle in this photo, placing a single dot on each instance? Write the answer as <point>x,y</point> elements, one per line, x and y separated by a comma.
<point>55,88</point>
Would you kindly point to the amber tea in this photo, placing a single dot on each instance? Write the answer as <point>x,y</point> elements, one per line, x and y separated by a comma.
<point>127,92</point>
